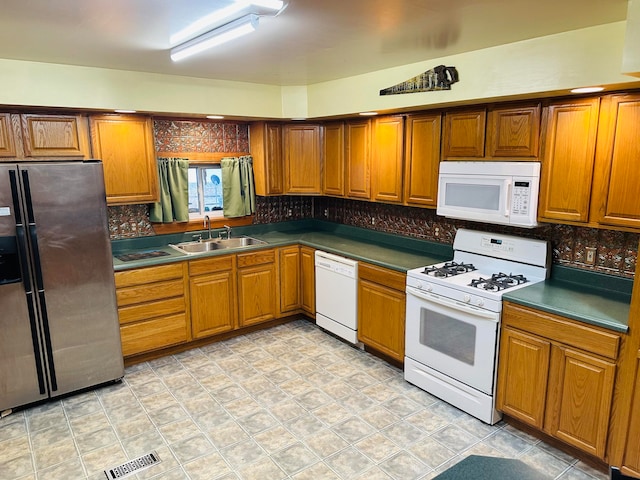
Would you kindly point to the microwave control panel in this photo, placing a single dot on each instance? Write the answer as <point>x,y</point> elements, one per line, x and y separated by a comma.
<point>521,197</point>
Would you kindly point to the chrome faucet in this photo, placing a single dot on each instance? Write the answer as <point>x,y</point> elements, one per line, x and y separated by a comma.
<point>228,228</point>
<point>207,225</point>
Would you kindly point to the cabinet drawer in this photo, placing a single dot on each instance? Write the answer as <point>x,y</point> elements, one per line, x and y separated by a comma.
<point>382,276</point>
<point>211,265</point>
<point>144,311</point>
<point>148,293</point>
<point>141,276</point>
<point>569,332</point>
<point>153,334</point>
<point>256,258</point>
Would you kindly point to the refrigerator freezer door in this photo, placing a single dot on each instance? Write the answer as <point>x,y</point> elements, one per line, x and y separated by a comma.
<point>76,288</point>
<point>22,376</point>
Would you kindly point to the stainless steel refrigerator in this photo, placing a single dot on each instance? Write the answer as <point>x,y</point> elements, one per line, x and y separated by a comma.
<point>59,328</point>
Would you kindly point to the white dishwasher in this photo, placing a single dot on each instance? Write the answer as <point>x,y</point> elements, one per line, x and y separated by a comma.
<point>337,295</point>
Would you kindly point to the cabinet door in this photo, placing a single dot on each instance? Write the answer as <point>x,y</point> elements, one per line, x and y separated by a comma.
<point>522,376</point>
<point>568,150</point>
<point>266,149</point>
<point>7,142</point>
<point>422,158</point>
<point>513,132</point>
<point>55,136</point>
<point>358,159</point>
<point>464,134</point>
<point>302,159</point>
<point>213,303</point>
<point>578,406</point>
<point>381,310</point>
<point>125,145</point>
<point>257,294</point>
<point>387,159</point>
<point>289,279</point>
<point>333,159</point>
<point>632,449</point>
<point>616,177</point>
<point>308,289</point>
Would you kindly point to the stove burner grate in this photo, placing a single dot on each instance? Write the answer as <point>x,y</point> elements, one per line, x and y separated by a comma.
<point>449,269</point>
<point>498,282</point>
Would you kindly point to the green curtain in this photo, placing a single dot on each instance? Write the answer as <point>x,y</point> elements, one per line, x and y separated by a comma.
<point>174,191</point>
<point>238,189</point>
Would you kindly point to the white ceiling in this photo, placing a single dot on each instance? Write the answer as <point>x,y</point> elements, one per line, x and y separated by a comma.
<point>311,41</point>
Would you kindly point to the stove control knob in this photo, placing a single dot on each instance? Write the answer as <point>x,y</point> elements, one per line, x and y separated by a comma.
<point>466,298</point>
<point>480,302</point>
<point>419,285</point>
<point>428,287</point>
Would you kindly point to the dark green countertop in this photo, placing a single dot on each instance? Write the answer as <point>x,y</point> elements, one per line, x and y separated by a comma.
<point>590,297</point>
<point>390,251</point>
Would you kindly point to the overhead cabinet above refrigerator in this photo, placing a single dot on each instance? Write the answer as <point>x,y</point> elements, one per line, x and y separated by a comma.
<point>59,319</point>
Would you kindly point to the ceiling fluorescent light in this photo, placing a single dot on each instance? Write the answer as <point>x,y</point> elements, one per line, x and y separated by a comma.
<point>230,31</point>
<point>216,17</point>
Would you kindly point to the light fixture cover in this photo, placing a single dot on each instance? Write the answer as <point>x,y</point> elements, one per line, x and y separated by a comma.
<point>217,36</point>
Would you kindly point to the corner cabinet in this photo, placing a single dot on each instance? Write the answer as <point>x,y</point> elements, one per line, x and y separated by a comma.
<point>557,374</point>
<point>152,306</point>
<point>422,159</point>
<point>125,146</point>
<point>302,159</point>
<point>333,159</point>
<point>381,309</point>
<point>266,149</point>
<point>213,297</point>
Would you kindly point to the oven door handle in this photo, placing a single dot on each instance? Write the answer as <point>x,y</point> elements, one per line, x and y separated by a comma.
<point>446,302</point>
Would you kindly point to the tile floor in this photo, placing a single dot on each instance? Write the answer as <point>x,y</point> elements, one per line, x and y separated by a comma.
<point>290,402</point>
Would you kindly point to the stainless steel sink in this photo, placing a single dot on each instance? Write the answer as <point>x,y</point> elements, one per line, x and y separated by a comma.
<point>203,246</point>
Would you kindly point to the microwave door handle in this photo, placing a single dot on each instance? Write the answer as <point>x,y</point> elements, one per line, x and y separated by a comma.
<point>507,200</point>
<point>452,304</point>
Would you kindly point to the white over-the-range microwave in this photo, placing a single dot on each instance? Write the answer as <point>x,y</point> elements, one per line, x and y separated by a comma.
<point>504,193</point>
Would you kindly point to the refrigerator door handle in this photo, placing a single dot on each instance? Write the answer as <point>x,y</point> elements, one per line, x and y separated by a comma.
<point>26,279</point>
<point>33,237</point>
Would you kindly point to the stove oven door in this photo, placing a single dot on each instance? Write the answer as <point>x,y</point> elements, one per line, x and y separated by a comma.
<point>456,339</point>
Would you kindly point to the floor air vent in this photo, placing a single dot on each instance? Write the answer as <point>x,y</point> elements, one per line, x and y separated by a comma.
<point>132,466</point>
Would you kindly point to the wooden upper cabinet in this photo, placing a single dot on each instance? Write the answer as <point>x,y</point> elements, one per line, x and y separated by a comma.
<point>387,159</point>
<point>464,134</point>
<point>302,159</point>
<point>268,163</point>
<point>333,159</point>
<point>568,151</point>
<point>358,158</point>
<point>513,133</point>
<point>125,146</point>
<point>7,141</point>
<point>422,158</point>
<point>615,199</point>
<point>47,136</point>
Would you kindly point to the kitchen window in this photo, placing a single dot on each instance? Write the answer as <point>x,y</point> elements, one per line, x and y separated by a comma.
<point>205,191</point>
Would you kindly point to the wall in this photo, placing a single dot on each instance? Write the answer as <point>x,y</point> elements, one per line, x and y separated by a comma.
<point>541,66</point>
<point>616,251</point>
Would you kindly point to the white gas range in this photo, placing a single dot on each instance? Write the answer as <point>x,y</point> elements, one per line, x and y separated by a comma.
<point>453,316</point>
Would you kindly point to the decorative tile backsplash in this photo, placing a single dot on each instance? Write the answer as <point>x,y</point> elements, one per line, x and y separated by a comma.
<point>616,252</point>
<point>200,136</point>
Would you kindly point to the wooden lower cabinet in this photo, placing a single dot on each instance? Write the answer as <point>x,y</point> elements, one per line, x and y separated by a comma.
<point>289,279</point>
<point>308,274</point>
<point>152,306</point>
<point>631,464</point>
<point>557,375</point>
<point>381,309</point>
<point>257,287</point>
<point>212,290</point>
